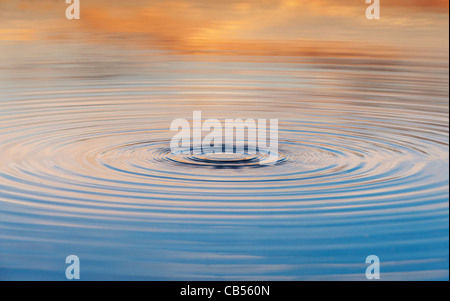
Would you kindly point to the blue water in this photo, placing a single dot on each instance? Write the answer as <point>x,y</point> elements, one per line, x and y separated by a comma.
<point>86,168</point>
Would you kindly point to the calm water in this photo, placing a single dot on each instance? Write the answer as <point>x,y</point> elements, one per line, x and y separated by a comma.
<point>86,169</point>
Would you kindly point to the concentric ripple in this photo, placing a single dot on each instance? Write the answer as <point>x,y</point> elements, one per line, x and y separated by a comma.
<point>86,168</point>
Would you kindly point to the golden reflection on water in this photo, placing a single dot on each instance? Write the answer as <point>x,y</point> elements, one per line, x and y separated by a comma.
<point>245,26</point>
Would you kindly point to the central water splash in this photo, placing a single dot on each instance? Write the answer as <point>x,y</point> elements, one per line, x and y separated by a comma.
<point>225,157</point>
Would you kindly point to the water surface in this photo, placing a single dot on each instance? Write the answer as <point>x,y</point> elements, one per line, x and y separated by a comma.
<point>86,168</point>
